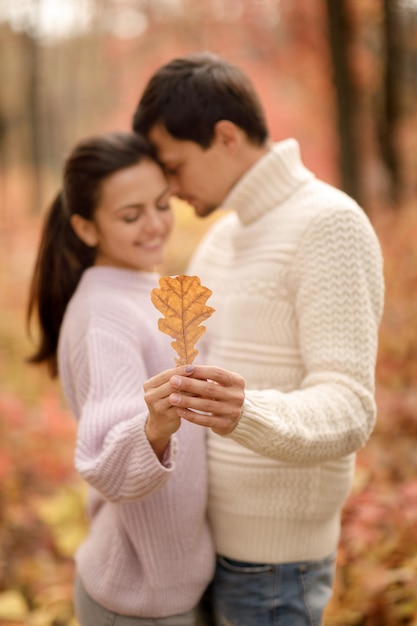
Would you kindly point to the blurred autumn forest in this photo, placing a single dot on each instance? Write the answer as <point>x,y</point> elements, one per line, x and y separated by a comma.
<point>338,75</point>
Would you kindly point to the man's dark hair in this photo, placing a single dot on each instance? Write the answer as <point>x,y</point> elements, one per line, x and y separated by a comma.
<point>189,95</point>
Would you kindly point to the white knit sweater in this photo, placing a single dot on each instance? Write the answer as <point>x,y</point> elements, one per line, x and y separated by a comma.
<point>148,551</point>
<point>296,274</point>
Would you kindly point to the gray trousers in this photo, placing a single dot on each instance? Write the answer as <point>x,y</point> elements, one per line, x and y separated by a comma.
<point>89,613</point>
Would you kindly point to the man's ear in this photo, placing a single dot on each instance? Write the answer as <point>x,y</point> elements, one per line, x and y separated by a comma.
<point>84,229</point>
<point>228,134</point>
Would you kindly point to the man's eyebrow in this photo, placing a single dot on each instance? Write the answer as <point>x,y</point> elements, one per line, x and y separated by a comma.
<point>168,160</point>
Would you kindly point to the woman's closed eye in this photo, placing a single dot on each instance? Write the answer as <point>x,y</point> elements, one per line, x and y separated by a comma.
<point>163,206</point>
<point>163,202</point>
<point>131,216</point>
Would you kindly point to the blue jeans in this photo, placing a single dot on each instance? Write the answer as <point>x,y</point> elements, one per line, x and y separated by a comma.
<point>252,594</point>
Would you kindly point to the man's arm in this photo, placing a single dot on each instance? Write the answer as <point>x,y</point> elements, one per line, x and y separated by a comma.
<point>338,287</point>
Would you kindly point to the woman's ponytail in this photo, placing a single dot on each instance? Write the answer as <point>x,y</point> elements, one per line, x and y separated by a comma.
<point>61,260</point>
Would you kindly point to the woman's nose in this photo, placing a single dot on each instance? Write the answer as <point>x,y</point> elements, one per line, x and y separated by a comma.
<point>154,221</point>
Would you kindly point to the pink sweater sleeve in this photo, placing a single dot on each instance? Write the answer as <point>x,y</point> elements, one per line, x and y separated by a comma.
<point>113,453</point>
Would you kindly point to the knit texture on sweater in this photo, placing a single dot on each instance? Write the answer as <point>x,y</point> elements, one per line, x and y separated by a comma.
<point>148,551</point>
<point>296,275</point>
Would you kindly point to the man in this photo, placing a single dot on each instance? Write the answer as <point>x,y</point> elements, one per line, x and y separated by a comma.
<point>296,275</point>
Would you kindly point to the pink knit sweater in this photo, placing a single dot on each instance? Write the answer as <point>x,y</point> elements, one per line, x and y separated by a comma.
<point>148,551</point>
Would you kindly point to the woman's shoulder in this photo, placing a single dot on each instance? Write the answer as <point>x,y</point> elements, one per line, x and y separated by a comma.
<point>114,301</point>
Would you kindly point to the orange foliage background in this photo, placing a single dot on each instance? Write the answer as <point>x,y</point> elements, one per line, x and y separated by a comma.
<point>42,515</point>
<point>42,499</point>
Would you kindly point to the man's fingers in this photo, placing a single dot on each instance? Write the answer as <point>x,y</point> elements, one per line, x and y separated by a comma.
<point>210,397</point>
<point>206,405</point>
<point>165,376</point>
<point>205,378</point>
<point>217,374</point>
<point>217,408</point>
<point>222,425</point>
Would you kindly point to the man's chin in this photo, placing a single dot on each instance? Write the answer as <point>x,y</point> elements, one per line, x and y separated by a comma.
<point>203,211</point>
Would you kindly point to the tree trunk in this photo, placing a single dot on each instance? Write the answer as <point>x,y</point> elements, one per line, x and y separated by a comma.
<point>339,37</point>
<point>391,95</point>
<point>32,54</point>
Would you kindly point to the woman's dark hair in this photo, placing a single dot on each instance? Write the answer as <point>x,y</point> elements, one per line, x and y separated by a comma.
<point>189,95</point>
<point>62,256</point>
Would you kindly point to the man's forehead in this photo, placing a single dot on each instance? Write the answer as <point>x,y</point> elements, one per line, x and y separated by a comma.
<point>167,147</point>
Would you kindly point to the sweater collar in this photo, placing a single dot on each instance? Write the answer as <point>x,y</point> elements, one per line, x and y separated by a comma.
<point>269,182</point>
<point>120,278</point>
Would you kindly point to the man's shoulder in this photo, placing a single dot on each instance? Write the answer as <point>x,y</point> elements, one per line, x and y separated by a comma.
<point>328,195</point>
<point>226,222</point>
<point>319,200</point>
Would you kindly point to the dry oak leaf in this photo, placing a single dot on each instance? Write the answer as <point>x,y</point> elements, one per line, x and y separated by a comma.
<point>182,299</point>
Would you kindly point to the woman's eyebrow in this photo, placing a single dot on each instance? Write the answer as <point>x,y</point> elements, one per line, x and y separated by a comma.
<point>137,205</point>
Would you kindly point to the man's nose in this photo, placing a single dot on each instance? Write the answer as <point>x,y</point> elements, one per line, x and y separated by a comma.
<point>174,188</point>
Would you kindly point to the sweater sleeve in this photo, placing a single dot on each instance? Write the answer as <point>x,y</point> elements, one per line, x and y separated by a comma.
<point>337,284</point>
<point>113,453</point>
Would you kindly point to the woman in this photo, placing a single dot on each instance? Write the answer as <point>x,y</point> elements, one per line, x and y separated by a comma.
<point>148,554</point>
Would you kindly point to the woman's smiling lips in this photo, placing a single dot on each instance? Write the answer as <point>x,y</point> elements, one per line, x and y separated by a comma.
<point>151,245</point>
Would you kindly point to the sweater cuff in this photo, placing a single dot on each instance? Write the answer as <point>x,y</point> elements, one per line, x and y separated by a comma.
<point>169,456</point>
<point>255,412</point>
